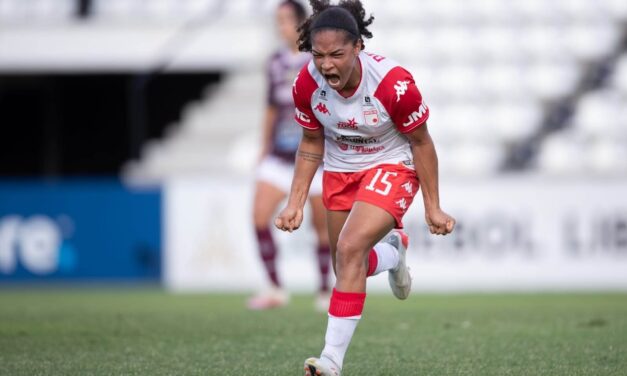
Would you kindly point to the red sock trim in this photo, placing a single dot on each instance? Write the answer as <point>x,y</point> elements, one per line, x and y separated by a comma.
<point>373,261</point>
<point>346,304</point>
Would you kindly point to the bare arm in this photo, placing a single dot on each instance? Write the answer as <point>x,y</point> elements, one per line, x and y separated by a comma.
<point>308,159</point>
<point>266,131</point>
<point>426,164</point>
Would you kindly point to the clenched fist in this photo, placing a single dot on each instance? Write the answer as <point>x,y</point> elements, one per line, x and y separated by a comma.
<point>289,219</point>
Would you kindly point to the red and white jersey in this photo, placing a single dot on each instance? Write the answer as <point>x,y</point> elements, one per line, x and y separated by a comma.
<point>365,129</point>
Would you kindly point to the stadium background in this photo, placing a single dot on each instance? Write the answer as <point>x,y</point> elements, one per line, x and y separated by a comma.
<point>129,136</point>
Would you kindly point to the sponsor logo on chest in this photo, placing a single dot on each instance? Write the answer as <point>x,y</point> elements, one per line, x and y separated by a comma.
<point>350,124</point>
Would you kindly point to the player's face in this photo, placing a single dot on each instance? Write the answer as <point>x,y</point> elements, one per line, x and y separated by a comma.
<point>287,24</point>
<point>335,57</point>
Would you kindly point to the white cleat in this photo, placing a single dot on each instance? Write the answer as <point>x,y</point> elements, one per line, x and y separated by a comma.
<point>321,367</point>
<point>269,299</point>
<point>399,278</point>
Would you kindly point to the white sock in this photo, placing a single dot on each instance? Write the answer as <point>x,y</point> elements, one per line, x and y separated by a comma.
<point>387,257</point>
<point>339,334</point>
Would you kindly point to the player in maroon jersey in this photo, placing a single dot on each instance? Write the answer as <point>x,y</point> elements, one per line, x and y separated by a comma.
<point>364,115</point>
<point>276,165</point>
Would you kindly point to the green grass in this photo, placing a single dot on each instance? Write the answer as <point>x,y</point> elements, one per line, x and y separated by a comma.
<point>144,332</point>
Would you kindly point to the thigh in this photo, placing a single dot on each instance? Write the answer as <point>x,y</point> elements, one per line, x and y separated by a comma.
<point>267,199</point>
<point>365,226</point>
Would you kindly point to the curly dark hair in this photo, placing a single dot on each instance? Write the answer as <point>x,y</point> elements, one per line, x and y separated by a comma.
<point>354,7</point>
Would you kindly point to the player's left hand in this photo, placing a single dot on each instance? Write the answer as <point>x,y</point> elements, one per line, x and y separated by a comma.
<point>439,222</point>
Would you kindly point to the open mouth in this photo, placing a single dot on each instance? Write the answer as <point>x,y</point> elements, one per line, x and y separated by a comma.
<point>332,79</point>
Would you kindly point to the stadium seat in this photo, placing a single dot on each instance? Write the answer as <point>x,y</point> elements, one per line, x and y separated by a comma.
<point>619,80</point>
<point>607,157</point>
<point>37,10</point>
<point>551,81</point>
<point>561,155</point>
<point>599,115</point>
<point>589,42</point>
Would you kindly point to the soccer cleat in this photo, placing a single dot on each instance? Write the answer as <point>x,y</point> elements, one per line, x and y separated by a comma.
<point>321,304</point>
<point>321,367</point>
<point>399,278</point>
<point>269,299</point>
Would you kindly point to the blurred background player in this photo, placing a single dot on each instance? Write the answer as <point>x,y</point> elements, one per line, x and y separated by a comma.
<point>365,115</point>
<point>280,139</point>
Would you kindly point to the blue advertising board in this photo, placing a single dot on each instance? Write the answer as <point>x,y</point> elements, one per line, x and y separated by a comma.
<point>79,230</point>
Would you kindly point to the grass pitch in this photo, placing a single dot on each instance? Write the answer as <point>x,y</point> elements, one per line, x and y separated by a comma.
<point>148,332</point>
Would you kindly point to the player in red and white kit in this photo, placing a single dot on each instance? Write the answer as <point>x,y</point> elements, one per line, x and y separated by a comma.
<point>365,116</point>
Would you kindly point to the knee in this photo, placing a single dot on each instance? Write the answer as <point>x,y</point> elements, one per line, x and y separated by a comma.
<point>349,256</point>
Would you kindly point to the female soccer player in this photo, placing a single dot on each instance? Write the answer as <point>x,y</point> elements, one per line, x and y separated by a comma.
<point>365,115</point>
<point>276,167</point>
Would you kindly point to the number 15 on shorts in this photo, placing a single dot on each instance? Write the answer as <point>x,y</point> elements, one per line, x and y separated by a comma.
<point>382,178</point>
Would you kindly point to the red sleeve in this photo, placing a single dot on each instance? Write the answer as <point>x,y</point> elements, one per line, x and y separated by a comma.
<point>302,91</point>
<point>402,100</point>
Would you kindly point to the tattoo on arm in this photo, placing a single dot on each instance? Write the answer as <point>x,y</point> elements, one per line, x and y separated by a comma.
<point>310,157</point>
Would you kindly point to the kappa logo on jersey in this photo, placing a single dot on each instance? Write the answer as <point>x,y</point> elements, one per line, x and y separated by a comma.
<point>350,124</point>
<point>302,116</point>
<point>321,107</point>
<point>416,115</point>
<point>401,89</point>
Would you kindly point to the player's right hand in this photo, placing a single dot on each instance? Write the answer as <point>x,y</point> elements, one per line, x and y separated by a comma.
<point>289,219</point>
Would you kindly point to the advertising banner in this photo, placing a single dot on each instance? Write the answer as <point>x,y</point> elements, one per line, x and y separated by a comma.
<point>514,233</point>
<point>79,230</point>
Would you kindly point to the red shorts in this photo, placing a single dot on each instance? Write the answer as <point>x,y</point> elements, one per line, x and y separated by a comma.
<point>391,187</point>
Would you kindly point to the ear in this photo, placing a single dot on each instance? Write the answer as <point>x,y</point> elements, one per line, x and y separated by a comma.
<point>358,46</point>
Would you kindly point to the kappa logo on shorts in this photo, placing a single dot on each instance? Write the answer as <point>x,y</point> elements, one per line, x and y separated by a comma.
<point>401,203</point>
<point>321,107</point>
<point>408,187</point>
